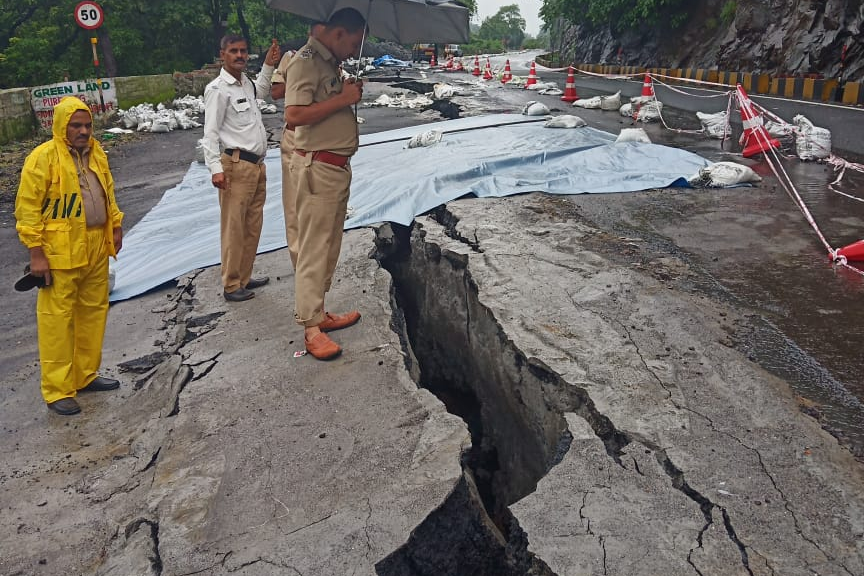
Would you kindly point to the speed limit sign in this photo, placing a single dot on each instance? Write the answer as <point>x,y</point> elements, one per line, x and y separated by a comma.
<point>89,15</point>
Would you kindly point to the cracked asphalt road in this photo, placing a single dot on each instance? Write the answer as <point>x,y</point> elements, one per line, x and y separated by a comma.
<point>232,456</point>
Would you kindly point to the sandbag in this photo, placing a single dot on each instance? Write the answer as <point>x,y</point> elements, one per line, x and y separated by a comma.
<point>812,142</point>
<point>626,110</point>
<point>723,175</point>
<point>588,103</point>
<point>444,91</point>
<point>565,121</point>
<point>533,108</point>
<point>633,135</point>
<point>612,102</point>
<point>714,125</point>
<point>428,138</point>
<point>650,111</point>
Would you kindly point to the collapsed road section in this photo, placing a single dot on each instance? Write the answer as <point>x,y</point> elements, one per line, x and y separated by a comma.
<point>570,468</point>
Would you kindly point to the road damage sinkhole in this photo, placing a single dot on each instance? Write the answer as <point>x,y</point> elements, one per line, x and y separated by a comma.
<point>513,405</point>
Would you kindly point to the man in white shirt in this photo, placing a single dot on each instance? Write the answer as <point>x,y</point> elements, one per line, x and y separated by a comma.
<point>235,143</point>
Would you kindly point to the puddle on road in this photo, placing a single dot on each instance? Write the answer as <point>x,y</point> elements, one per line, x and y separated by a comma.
<point>808,322</point>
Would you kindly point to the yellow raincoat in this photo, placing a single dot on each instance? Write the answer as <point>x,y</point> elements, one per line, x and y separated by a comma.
<point>71,313</point>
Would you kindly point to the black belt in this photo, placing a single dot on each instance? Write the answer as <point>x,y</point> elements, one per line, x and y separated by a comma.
<point>243,155</point>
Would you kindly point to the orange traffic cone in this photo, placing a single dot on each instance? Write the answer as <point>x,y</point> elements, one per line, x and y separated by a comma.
<point>449,64</point>
<point>532,76</point>
<point>755,138</point>
<point>853,252</point>
<point>648,87</point>
<point>508,75</point>
<point>476,71</point>
<point>570,88</point>
<point>487,72</point>
<point>459,67</point>
<point>432,62</point>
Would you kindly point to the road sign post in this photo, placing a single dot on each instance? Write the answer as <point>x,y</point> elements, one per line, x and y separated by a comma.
<point>89,15</point>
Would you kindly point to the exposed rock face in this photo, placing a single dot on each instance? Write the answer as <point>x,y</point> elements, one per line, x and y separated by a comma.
<point>764,36</point>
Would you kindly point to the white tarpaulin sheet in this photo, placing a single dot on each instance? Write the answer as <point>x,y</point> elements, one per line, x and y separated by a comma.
<point>488,156</point>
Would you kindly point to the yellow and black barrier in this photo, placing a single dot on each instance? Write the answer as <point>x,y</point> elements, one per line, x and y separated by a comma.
<point>817,89</point>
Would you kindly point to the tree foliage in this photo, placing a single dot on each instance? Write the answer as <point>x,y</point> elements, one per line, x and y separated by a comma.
<point>619,14</point>
<point>507,25</point>
<point>40,43</point>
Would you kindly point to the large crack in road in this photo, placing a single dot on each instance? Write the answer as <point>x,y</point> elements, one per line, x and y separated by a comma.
<point>513,405</point>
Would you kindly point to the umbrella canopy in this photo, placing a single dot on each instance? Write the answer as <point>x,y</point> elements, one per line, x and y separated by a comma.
<point>405,21</point>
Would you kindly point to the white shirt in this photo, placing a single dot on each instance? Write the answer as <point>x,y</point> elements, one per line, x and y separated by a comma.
<point>232,117</point>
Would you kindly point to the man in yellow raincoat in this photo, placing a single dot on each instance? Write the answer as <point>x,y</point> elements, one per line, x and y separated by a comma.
<point>68,218</point>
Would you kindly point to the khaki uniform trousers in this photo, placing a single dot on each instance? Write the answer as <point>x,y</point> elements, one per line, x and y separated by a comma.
<point>241,204</point>
<point>322,201</point>
<point>70,317</point>
<point>289,198</point>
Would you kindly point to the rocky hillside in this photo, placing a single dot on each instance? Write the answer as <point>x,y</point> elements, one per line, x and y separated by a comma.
<point>762,36</point>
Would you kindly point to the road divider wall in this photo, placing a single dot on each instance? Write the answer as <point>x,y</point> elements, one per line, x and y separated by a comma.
<point>800,88</point>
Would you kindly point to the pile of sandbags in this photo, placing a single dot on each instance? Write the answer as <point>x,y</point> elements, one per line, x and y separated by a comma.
<point>144,118</point>
<point>401,101</point>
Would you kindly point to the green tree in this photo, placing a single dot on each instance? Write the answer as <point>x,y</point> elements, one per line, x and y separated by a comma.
<point>40,44</point>
<point>506,25</point>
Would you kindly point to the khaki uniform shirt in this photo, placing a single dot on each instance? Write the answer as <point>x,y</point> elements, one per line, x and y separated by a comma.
<point>92,193</point>
<point>311,76</point>
<point>279,74</point>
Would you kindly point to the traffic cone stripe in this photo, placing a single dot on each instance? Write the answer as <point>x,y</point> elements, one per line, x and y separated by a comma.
<point>648,86</point>
<point>570,87</point>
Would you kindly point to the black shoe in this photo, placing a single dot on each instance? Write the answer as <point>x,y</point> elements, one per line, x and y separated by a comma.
<point>239,295</point>
<point>65,406</point>
<point>101,384</point>
<point>257,282</point>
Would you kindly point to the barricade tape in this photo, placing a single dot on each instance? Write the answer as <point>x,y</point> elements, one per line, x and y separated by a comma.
<point>771,155</point>
<point>792,192</point>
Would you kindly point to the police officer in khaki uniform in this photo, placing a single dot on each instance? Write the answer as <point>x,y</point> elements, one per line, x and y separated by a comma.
<point>318,103</point>
<point>286,145</point>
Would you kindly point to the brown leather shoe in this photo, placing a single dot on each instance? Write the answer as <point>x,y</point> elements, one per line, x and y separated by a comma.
<point>338,321</point>
<point>322,347</point>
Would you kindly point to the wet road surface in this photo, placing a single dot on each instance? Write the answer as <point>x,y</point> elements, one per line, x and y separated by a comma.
<point>750,246</point>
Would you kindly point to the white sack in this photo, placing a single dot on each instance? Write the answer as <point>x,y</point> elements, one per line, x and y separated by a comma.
<point>714,125</point>
<point>589,103</point>
<point>724,174</point>
<point>425,139</point>
<point>533,108</point>
<point>649,111</point>
<point>633,135</point>
<point>612,102</point>
<point>813,143</point>
<point>444,91</point>
<point>626,110</point>
<point>565,121</point>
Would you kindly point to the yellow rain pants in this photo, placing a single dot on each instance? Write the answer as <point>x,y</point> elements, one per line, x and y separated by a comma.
<point>71,315</point>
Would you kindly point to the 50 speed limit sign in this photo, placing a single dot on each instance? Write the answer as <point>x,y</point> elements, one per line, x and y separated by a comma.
<point>89,15</point>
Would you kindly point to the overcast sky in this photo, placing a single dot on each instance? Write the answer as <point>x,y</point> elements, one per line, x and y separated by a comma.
<point>528,8</point>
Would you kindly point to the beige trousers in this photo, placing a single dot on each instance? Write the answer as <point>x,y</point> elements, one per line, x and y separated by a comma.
<point>289,198</point>
<point>242,214</point>
<point>322,200</point>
